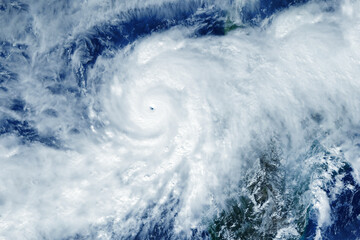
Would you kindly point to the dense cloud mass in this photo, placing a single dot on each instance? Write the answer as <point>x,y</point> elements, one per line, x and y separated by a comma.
<point>168,119</point>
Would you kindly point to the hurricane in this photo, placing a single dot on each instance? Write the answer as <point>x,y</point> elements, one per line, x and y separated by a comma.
<point>169,119</point>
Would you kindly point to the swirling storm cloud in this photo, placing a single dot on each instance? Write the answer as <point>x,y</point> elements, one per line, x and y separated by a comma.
<point>169,119</point>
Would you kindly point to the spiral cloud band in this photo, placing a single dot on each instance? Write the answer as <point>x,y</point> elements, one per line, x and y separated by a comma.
<point>180,119</point>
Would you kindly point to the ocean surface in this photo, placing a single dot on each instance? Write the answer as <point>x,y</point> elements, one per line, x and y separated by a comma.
<point>180,119</point>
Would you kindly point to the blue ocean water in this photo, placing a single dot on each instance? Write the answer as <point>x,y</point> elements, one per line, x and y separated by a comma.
<point>179,119</point>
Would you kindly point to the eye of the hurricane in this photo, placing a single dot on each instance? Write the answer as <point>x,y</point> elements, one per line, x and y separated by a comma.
<point>146,111</point>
